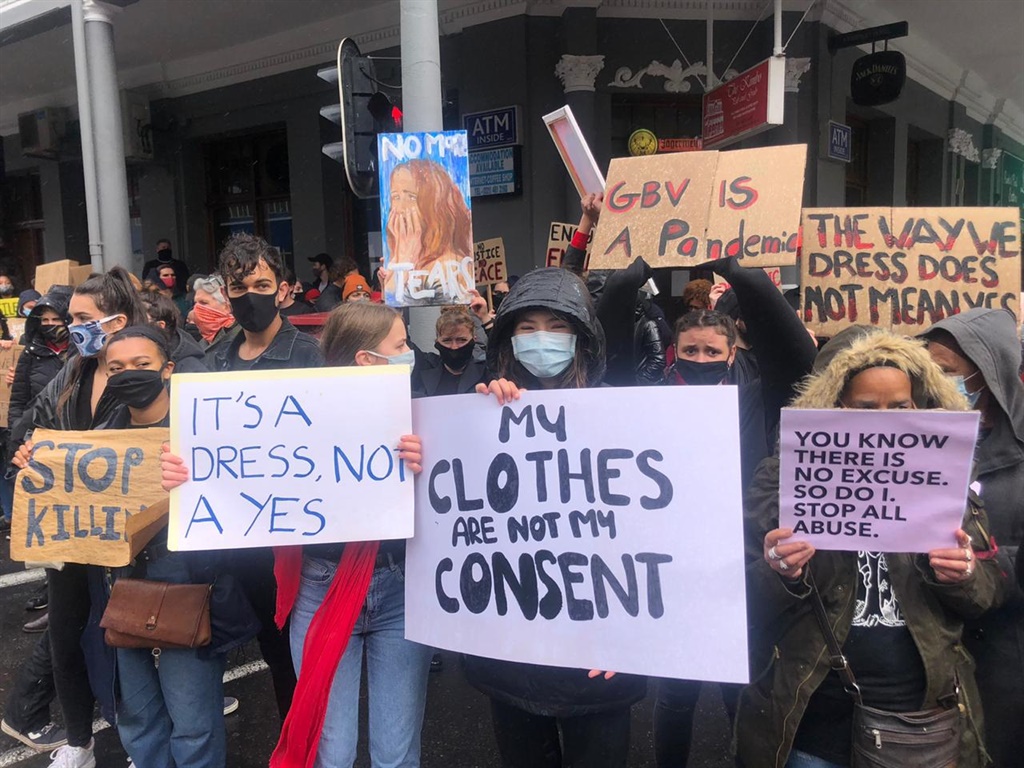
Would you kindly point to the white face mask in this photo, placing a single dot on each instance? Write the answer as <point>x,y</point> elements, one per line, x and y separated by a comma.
<point>544,354</point>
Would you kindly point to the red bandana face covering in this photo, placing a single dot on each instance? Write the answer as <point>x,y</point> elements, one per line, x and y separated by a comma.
<point>210,320</point>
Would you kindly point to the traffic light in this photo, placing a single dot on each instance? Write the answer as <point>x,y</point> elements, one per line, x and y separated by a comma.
<point>363,112</point>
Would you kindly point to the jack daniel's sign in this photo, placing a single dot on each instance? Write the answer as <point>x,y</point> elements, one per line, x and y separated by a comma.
<point>878,78</point>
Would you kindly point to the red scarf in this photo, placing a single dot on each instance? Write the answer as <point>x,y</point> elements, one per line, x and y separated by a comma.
<point>326,640</point>
<point>211,320</point>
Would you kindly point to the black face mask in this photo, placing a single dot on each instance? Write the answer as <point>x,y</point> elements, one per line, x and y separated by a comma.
<point>702,374</point>
<point>497,297</point>
<point>456,359</point>
<point>136,389</point>
<point>165,255</point>
<point>54,334</point>
<point>255,311</point>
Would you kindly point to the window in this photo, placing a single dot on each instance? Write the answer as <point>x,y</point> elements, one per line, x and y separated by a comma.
<point>22,209</point>
<point>668,117</point>
<point>857,168</point>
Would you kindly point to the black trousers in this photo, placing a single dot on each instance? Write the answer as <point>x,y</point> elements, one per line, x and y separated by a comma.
<point>28,705</point>
<point>674,708</point>
<point>254,570</point>
<point>536,741</point>
<point>69,614</point>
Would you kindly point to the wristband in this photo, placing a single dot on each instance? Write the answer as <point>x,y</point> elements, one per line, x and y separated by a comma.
<point>580,240</point>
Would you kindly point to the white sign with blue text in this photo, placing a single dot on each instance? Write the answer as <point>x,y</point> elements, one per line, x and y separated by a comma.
<point>282,457</point>
<point>492,128</point>
<point>552,531</point>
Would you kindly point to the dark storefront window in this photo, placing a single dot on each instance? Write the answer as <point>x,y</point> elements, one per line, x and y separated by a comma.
<point>668,117</point>
<point>23,224</point>
<point>248,189</point>
<point>857,168</point>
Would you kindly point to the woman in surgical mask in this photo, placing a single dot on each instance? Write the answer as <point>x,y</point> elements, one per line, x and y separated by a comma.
<point>361,334</point>
<point>546,336</point>
<point>78,399</point>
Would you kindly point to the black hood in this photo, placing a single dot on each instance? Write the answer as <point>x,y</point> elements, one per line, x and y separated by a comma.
<point>562,293</point>
<point>25,298</point>
<point>184,346</point>
<point>988,338</point>
<point>58,298</point>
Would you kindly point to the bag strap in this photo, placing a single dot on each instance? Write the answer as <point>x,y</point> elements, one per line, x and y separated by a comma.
<point>837,659</point>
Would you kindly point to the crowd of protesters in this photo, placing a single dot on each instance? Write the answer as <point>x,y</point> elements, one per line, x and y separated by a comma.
<point>102,356</point>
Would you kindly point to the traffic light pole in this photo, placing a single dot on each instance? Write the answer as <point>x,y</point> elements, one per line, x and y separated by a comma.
<point>421,108</point>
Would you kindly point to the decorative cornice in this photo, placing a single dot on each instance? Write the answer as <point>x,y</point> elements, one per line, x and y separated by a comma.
<point>578,73</point>
<point>796,69</point>
<point>990,158</point>
<point>960,142</point>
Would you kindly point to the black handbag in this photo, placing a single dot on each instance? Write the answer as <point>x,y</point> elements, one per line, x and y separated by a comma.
<point>883,739</point>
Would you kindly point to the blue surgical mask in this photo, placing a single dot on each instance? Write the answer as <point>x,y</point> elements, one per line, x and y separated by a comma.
<point>90,337</point>
<point>405,358</point>
<point>544,354</point>
<point>960,382</point>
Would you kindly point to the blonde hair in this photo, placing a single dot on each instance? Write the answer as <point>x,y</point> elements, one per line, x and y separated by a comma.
<point>354,327</point>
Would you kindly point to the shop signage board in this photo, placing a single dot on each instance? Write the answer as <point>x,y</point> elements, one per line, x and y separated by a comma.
<point>906,268</point>
<point>878,78</point>
<point>492,128</point>
<point>750,103</point>
<point>495,172</point>
<point>840,146</point>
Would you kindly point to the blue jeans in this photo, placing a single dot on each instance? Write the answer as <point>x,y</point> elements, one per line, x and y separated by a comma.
<point>798,759</point>
<point>171,716</point>
<point>397,671</point>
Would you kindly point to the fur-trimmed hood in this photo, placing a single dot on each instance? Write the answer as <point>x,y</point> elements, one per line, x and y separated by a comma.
<point>931,388</point>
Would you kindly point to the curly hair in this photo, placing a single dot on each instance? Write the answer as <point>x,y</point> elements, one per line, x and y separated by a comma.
<point>446,220</point>
<point>698,291</point>
<point>242,254</point>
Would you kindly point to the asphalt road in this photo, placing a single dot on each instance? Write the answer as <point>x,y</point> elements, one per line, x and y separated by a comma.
<point>456,734</point>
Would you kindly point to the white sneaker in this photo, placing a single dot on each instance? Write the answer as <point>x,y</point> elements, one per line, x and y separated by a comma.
<point>74,757</point>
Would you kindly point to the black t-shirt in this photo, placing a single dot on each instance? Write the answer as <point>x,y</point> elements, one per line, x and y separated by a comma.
<point>298,308</point>
<point>884,659</point>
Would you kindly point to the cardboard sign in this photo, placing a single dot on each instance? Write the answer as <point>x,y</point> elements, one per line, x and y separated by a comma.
<point>89,497</point>
<point>489,259</point>
<point>559,238</point>
<point>906,268</point>
<point>275,460</point>
<point>425,218</point>
<point>575,152</point>
<point>684,209</point>
<point>546,535</point>
<point>65,272</point>
<point>8,359</point>
<point>877,481</point>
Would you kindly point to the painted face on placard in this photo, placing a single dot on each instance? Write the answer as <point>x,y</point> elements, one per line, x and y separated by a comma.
<point>879,389</point>
<point>403,191</point>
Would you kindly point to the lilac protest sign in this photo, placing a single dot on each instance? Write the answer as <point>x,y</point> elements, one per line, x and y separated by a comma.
<point>878,481</point>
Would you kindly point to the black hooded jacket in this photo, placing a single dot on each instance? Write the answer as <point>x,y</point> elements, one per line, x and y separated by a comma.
<point>188,356</point>
<point>38,364</point>
<point>551,691</point>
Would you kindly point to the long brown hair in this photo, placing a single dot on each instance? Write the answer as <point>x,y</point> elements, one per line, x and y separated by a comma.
<point>443,211</point>
<point>354,327</point>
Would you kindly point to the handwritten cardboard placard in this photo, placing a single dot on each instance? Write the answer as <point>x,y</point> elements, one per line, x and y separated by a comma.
<point>881,481</point>
<point>906,268</point>
<point>64,272</point>
<point>8,359</point>
<point>489,257</point>
<point>684,209</point>
<point>547,536</point>
<point>426,219</point>
<point>274,459</point>
<point>88,497</point>
<point>559,238</point>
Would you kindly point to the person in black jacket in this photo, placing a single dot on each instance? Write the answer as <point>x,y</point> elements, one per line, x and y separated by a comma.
<point>165,258</point>
<point>187,355</point>
<point>546,336</point>
<point>453,369</point>
<point>649,341</point>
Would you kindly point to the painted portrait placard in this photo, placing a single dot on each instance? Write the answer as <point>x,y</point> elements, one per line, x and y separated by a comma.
<point>425,218</point>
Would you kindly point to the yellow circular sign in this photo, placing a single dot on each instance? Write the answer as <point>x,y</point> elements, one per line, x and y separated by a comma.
<point>642,142</point>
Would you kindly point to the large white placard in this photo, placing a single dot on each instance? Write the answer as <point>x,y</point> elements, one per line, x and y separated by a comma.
<point>571,529</point>
<point>290,457</point>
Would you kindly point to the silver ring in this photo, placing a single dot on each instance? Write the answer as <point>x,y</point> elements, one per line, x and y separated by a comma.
<point>968,555</point>
<point>968,572</point>
<point>783,566</point>
<point>773,555</point>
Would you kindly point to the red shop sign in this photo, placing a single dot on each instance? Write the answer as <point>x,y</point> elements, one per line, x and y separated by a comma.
<point>749,103</point>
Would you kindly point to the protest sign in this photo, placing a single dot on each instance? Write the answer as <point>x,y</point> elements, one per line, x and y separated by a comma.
<point>64,272</point>
<point>559,238</point>
<point>906,268</point>
<point>286,457</point>
<point>425,218</point>
<point>546,535</point>
<point>490,262</point>
<point>684,209</point>
<point>9,307</point>
<point>575,152</point>
<point>88,497</point>
<point>878,481</point>
<point>8,359</point>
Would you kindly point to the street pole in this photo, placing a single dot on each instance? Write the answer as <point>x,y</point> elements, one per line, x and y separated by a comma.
<point>92,211</point>
<point>111,177</point>
<point>421,111</point>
